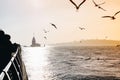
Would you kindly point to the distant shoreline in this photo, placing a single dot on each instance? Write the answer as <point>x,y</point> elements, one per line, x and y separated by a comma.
<point>91,42</point>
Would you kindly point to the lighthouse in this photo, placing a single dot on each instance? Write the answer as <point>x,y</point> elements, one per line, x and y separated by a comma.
<point>34,44</point>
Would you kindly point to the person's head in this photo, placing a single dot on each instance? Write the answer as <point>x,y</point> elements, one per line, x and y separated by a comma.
<point>2,32</point>
<point>7,36</point>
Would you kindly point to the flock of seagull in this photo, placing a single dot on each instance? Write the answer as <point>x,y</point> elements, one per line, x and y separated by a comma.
<point>96,5</point>
<point>46,31</point>
<point>77,8</point>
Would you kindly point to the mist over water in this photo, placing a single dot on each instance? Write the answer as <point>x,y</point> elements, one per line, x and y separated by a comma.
<point>72,63</point>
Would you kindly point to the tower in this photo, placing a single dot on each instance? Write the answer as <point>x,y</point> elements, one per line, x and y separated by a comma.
<point>34,44</point>
<point>33,41</point>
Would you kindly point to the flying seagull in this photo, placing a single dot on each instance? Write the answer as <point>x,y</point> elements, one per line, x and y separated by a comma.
<point>45,37</point>
<point>106,37</point>
<point>112,17</point>
<point>98,5</point>
<point>53,25</point>
<point>45,31</point>
<point>77,6</point>
<point>81,28</point>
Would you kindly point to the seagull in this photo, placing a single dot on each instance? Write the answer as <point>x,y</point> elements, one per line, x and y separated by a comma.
<point>81,28</point>
<point>98,5</point>
<point>45,31</point>
<point>106,37</point>
<point>77,6</point>
<point>45,37</point>
<point>112,17</point>
<point>53,25</point>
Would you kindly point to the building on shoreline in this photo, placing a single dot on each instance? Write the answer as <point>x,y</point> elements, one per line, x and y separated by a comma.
<point>34,44</point>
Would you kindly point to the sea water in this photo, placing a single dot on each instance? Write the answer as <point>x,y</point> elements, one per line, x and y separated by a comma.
<point>72,62</point>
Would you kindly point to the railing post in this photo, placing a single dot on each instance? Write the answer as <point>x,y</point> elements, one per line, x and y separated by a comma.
<point>14,69</point>
<point>7,75</point>
<point>19,68</point>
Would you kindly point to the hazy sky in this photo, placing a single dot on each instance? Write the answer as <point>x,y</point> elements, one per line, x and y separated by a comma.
<point>24,18</point>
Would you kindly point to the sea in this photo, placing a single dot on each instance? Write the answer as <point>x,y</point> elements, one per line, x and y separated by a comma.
<point>72,62</point>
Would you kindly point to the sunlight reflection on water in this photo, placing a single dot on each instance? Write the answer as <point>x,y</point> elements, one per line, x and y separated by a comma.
<point>71,63</point>
<point>36,62</point>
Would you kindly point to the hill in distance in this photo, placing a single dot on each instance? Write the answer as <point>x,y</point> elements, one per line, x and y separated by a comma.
<point>91,42</point>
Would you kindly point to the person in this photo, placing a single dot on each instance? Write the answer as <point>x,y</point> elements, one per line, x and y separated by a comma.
<point>6,48</point>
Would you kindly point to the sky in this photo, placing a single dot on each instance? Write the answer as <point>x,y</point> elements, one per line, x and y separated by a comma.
<point>23,19</point>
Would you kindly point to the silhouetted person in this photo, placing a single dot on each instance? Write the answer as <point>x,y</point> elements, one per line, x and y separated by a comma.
<point>14,47</point>
<point>6,48</point>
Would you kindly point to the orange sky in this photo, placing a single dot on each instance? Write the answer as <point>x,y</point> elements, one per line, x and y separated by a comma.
<point>22,18</point>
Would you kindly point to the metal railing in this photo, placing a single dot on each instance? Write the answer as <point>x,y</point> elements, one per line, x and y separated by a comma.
<point>13,70</point>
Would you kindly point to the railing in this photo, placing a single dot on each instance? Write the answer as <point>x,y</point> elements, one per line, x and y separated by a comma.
<point>14,69</point>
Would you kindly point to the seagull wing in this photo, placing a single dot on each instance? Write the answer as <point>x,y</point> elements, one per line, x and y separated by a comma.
<point>102,8</point>
<point>44,31</point>
<point>83,29</point>
<point>117,13</point>
<point>73,3</point>
<point>80,28</point>
<point>106,16</point>
<point>81,3</point>
<point>45,37</point>
<point>94,3</point>
<point>54,25</point>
